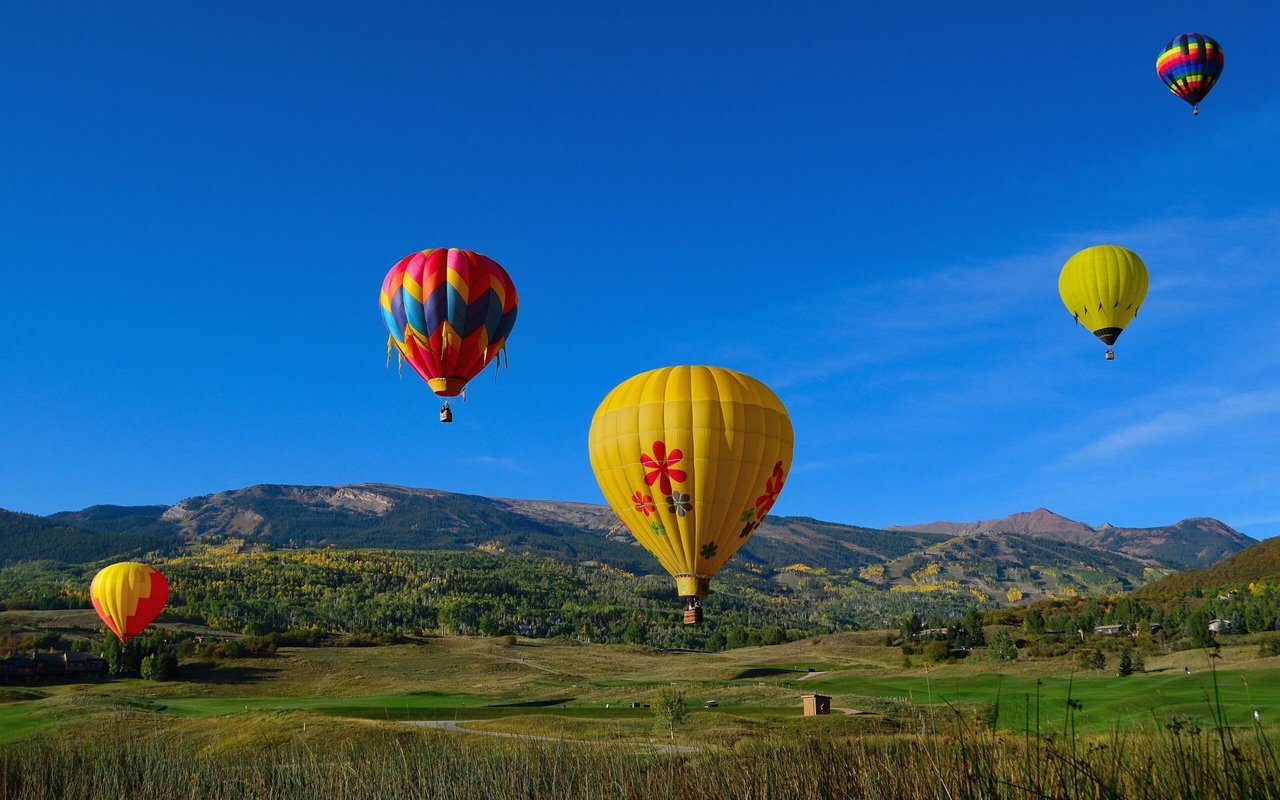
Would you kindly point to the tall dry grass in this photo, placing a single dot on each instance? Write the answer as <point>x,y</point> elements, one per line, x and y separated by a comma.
<point>1169,764</point>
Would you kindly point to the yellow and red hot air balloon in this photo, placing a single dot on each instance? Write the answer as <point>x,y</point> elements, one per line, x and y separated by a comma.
<point>691,459</point>
<point>128,596</point>
<point>449,313</point>
<point>1103,287</point>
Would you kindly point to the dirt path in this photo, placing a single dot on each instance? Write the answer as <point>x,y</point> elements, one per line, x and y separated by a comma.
<point>456,725</point>
<point>809,675</point>
<point>529,664</point>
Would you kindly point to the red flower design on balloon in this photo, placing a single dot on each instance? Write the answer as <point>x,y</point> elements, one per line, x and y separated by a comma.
<point>772,488</point>
<point>643,503</point>
<point>660,467</point>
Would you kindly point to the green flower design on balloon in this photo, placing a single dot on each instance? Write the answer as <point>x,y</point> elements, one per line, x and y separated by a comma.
<point>709,550</point>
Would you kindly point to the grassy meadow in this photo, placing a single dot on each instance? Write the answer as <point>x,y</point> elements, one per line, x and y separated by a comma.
<point>333,722</point>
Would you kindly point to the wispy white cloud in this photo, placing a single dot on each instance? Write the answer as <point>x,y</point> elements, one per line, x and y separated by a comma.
<point>949,349</point>
<point>1179,423</point>
<point>504,463</point>
<point>1200,267</point>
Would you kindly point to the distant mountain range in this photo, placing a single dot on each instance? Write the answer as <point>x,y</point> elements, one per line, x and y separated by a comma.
<point>1195,542</point>
<point>1037,553</point>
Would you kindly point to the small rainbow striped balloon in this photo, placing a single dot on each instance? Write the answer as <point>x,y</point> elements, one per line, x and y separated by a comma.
<point>1190,66</point>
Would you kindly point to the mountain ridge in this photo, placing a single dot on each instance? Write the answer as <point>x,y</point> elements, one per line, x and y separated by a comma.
<point>1049,557</point>
<point>1188,543</point>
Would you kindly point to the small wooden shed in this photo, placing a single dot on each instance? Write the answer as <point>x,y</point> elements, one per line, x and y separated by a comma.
<point>815,704</point>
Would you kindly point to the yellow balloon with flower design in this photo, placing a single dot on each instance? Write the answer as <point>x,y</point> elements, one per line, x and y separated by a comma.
<point>691,458</point>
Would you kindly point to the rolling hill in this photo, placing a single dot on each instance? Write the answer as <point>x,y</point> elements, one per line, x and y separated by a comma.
<point>1261,562</point>
<point>24,537</point>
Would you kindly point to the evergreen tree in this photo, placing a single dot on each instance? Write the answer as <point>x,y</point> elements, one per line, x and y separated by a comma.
<point>1094,659</point>
<point>1197,627</point>
<point>972,626</point>
<point>1125,669</point>
<point>910,625</point>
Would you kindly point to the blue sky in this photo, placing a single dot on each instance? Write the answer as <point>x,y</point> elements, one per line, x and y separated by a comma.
<point>866,208</point>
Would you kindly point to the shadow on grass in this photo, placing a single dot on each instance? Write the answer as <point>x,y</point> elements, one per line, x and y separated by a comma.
<point>555,701</point>
<point>764,672</point>
<point>211,672</point>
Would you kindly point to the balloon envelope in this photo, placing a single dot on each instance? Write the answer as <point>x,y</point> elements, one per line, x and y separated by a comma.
<point>1103,287</point>
<point>449,313</point>
<point>691,459</point>
<point>1190,65</point>
<point>128,596</point>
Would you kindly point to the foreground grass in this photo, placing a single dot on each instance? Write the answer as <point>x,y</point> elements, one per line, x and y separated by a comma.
<point>377,762</point>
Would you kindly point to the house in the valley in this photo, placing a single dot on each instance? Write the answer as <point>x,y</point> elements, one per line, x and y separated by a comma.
<point>55,666</point>
<point>1221,626</point>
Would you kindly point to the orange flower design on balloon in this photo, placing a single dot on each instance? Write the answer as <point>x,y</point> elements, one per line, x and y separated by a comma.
<point>643,503</point>
<point>660,467</point>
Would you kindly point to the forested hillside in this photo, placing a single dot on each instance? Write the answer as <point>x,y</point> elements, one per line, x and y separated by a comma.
<point>24,537</point>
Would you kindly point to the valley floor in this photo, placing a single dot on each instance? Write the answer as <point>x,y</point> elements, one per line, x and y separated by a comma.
<point>329,703</point>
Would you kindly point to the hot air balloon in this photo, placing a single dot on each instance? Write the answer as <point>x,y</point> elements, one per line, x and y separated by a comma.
<point>449,313</point>
<point>128,596</point>
<point>691,459</point>
<point>1102,287</point>
<point>1190,66</point>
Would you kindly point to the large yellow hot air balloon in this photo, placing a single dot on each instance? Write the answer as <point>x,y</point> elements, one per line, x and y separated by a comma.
<point>1103,286</point>
<point>691,459</point>
<point>128,596</point>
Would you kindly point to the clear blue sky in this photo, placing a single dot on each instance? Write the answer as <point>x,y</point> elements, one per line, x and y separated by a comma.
<point>865,207</point>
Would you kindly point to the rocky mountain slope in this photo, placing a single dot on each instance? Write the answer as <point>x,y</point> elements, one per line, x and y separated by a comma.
<point>1195,542</point>
<point>1034,554</point>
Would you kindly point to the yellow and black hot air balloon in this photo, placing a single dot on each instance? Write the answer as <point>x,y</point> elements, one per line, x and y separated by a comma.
<point>691,459</point>
<point>1103,286</point>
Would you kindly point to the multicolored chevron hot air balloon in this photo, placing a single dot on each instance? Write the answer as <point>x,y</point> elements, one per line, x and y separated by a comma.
<point>1190,66</point>
<point>692,460</point>
<point>1103,286</point>
<point>128,596</point>
<point>449,313</point>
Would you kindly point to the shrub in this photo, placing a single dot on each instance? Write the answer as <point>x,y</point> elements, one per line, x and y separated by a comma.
<point>937,651</point>
<point>1002,647</point>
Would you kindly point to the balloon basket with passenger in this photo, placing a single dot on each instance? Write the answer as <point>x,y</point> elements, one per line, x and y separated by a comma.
<point>692,588</point>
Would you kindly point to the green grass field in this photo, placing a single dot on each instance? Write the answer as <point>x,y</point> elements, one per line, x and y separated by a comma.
<point>539,686</point>
<point>331,722</point>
